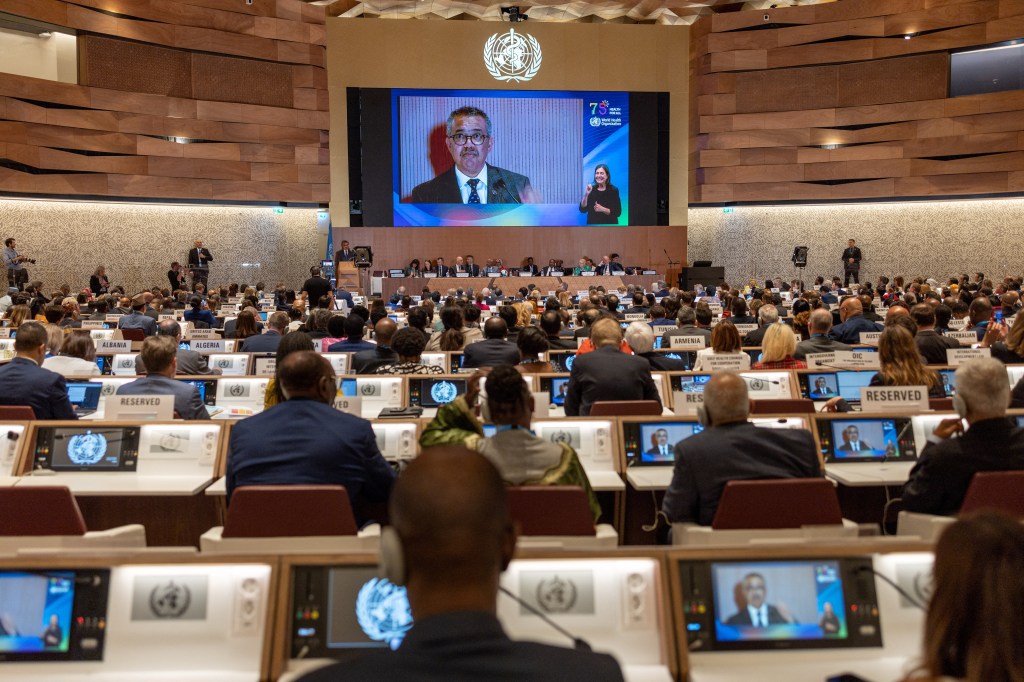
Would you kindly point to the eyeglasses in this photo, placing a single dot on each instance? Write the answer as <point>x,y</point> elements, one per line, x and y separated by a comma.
<point>461,138</point>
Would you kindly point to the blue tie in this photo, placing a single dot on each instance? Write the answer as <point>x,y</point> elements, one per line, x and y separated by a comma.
<point>474,198</point>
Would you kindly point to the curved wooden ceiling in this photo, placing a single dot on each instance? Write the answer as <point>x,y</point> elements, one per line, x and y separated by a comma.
<point>624,11</point>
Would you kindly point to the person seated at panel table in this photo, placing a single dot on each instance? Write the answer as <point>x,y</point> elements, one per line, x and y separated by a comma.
<point>528,266</point>
<point>971,630</point>
<point>944,469</point>
<point>522,457</point>
<point>731,448</point>
<point>725,340</point>
<point>901,363</point>
<point>471,180</point>
<point>451,539</point>
<point>582,267</point>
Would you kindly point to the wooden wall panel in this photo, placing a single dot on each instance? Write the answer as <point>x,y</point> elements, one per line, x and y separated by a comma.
<point>184,99</point>
<point>832,102</point>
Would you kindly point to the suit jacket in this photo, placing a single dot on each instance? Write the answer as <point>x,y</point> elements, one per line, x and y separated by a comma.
<point>939,480</point>
<point>706,461</point>
<point>561,343</point>
<point>817,344</point>
<point>470,646</point>
<point>266,342</point>
<point>193,257</point>
<point>187,402</point>
<point>342,256</point>
<point>490,352</point>
<point>932,346</point>
<point>347,346</point>
<point>137,320</point>
<point>190,363</point>
<point>854,253</point>
<point>367,361</point>
<point>754,338</point>
<point>688,330</point>
<point>473,270</point>
<point>607,374</point>
<point>229,327</point>
<point>308,442</point>
<point>848,446</point>
<point>742,617</point>
<point>610,269</point>
<point>849,331</point>
<point>444,189</point>
<point>442,271</point>
<point>23,382</point>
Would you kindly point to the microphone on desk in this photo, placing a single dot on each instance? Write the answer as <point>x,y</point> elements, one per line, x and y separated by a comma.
<point>577,642</point>
<point>499,184</point>
<point>902,592</point>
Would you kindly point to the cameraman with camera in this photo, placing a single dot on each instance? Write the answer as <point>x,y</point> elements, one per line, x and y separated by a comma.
<point>17,275</point>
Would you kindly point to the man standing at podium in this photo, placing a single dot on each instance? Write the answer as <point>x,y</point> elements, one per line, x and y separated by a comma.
<point>199,260</point>
<point>851,263</point>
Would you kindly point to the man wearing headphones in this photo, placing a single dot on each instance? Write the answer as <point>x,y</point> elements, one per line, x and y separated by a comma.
<point>451,539</point>
<point>731,448</point>
<point>939,480</point>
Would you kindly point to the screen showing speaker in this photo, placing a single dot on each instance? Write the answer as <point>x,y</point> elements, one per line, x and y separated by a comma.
<point>653,443</point>
<point>846,440</point>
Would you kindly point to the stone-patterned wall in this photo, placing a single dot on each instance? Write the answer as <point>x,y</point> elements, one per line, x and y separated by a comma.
<point>138,242</point>
<point>934,239</point>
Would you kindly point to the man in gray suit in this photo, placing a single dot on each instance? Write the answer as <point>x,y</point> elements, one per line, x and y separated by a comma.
<point>159,355</point>
<point>189,362</point>
<point>472,180</point>
<point>819,325</point>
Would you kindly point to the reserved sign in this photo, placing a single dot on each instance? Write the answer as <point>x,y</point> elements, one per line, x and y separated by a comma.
<point>351,405</point>
<point>685,403</point>
<point>887,398</point>
<point>958,356</point>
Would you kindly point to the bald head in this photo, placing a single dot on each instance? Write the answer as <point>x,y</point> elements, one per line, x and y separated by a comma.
<point>851,307</point>
<point>450,510</point>
<point>307,375</point>
<point>495,328</point>
<point>726,399</point>
<point>895,311</point>
<point>384,331</point>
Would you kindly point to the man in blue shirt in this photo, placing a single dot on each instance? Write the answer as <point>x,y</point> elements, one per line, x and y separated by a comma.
<point>851,312</point>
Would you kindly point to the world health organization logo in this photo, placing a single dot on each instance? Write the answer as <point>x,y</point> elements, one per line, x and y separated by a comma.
<point>443,392</point>
<point>87,448</point>
<point>512,56</point>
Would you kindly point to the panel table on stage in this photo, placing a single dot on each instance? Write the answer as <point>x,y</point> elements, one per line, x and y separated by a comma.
<point>584,283</point>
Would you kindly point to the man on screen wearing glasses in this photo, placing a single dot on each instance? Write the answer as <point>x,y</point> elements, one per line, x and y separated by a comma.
<point>472,180</point>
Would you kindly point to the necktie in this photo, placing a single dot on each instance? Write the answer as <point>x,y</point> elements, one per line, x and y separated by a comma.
<point>474,198</point>
<point>856,446</point>
<point>757,619</point>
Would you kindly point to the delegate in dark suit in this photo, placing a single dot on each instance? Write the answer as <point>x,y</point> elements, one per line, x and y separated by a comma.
<point>607,374</point>
<point>849,331</point>
<point>308,442</point>
<point>706,461</point>
<point>939,480</point>
<point>660,362</point>
<point>489,353</point>
<point>23,382</point>
<point>818,343</point>
<point>187,402</point>
<point>932,346</point>
<point>470,646</point>
<point>503,187</point>
<point>190,363</point>
<point>742,617</point>
<point>261,343</point>
<point>367,361</point>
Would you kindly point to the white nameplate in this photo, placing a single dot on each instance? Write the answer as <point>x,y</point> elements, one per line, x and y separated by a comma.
<point>958,356</point>
<point>112,317</point>
<point>216,346</point>
<point>430,275</point>
<point>203,334</point>
<point>146,407</point>
<point>101,334</point>
<point>687,342</point>
<point>888,398</point>
<point>745,329</point>
<point>856,359</point>
<point>5,333</point>
<point>557,273</point>
<point>716,308</point>
<point>110,346</point>
<point>462,274</point>
<point>965,337</point>
<point>958,323</point>
<point>869,338</point>
<point>685,403</point>
<point>589,273</point>
<point>350,405</point>
<point>526,274</point>
<point>92,324</point>
<point>724,363</point>
<point>819,360</point>
<point>166,317</point>
<point>635,317</point>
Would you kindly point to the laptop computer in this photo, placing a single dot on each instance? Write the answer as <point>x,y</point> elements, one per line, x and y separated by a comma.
<point>85,397</point>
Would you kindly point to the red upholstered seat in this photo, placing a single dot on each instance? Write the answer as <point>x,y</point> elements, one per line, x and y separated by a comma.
<point>999,490</point>
<point>17,412</point>
<point>785,406</point>
<point>551,510</point>
<point>613,408</point>
<point>777,503</point>
<point>266,511</point>
<point>49,510</point>
<point>940,404</point>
